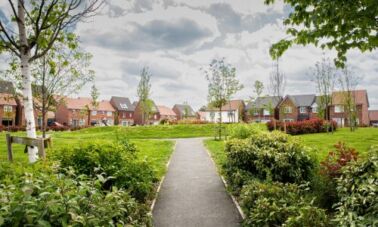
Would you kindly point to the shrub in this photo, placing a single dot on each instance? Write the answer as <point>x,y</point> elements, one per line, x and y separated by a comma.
<point>303,127</point>
<point>270,156</point>
<point>240,131</point>
<point>278,204</point>
<point>357,188</point>
<point>114,159</point>
<point>42,198</point>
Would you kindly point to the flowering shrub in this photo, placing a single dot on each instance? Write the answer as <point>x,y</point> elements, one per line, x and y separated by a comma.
<point>303,127</point>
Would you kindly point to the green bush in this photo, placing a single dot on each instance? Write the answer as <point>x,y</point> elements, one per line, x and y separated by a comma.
<point>240,131</point>
<point>114,159</point>
<point>61,198</point>
<point>357,188</point>
<point>278,204</point>
<point>270,156</point>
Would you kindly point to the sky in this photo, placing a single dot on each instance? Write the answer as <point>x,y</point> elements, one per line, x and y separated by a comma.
<point>177,39</point>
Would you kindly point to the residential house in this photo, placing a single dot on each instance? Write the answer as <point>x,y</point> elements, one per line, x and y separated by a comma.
<point>167,113</point>
<point>124,110</point>
<point>263,109</point>
<point>140,119</point>
<point>184,111</point>
<point>50,115</point>
<point>232,112</point>
<point>338,111</point>
<point>373,117</point>
<point>297,107</point>
<point>201,115</point>
<point>8,104</point>
<point>79,111</point>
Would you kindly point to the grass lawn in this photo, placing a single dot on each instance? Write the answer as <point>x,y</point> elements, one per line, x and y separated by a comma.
<point>321,143</point>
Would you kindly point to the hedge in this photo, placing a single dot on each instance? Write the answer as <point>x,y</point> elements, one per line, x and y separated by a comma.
<point>303,127</point>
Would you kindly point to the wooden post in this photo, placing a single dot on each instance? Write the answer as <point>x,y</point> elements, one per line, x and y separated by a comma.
<point>9,146</point>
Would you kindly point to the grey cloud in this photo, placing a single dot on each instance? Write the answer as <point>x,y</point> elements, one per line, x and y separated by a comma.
<point>155,35</point>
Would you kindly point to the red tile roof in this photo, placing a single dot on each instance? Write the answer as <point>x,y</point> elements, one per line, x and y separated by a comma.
<point>373,115</point>
<point>166,111</point>
<point>84,102</point>
<point>7,99</point>
<point>232,105</point>
<point>360,97</point>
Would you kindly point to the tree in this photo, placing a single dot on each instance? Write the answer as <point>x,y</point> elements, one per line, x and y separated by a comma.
<point>40,24</point>
<point>222,86</point>
<point>348,81</point>
<point>258,88</point>
<point>94,101</point>
<point>144,92</point>
<point>324,76</point>
<point>340,25</point>
<point>277,86</point>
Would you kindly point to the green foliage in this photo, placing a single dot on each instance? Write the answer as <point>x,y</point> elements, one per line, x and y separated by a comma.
<point>62,198</point>
<point>116,160</point>
<point>241,131</point>
<point>271,156</point>
<point>339,25</point>
<point>278,204</point>
<point>357,188</point>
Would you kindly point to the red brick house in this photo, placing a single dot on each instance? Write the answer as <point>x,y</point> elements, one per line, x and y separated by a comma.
<point>297,108</point>
<point>337,109</point>
<point>167,113</point>
<point>184,111</point>
<point>263,109</point>
<point>373,117</point>
<point>154,116</point>
<point>8,104</point>
<point>232,112</point>
<point>124,110</point>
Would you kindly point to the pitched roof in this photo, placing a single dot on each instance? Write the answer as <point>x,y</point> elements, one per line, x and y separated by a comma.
<point>232,105</point>
<point>6,87</point>
<point>263,102</point>
<point>7,99</point>
<point>185,107</point>
<point>105,105</point>
<point>122,103</point>
<point>81,103</point>
<point>373,115</point>
<point>302,100</point>
<point>163,110</point>
<point>359,96</point>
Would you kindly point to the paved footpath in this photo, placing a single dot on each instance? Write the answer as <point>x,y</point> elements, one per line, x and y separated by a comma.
<point>192,193</point>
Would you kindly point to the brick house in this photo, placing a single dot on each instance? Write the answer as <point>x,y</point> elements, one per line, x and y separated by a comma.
<point>263,109</point>
<point>167,113</point>
<point>232,112</point>
<point>8,104</point>
<point>154,116</point>
<point>373,117</point>
<point>337,109</point>
<point>297,107</point>
<point>76,112</point>
<point>184,111</point>
<point>124,111</point>
<point>50,115</point>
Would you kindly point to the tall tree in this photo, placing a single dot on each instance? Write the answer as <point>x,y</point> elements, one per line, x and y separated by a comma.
<point>258,88</point>
<point>223,84</point>
<point>348,82</point>
<point>324,76</point>
<point>340,25</point>
<point>40,24</point>
<point>144,92</point>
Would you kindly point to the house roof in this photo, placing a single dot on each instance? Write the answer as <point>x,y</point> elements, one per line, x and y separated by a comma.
<point>232,105</point>
<point>263,102</point>
<point>183,107</point>
<point>105,105</point>
<point>373,115</point>
<point>7,99</point>
<point>154,106</point>
<point>6,87</point>
<point>302,100</point>
<point>163,110</point>
<point>84,102</point>
<point>122,103</point>
<point>359,96</point>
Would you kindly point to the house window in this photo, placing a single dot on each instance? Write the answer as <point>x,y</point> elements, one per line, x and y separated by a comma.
<point>123,106</point>
<point>8,108</point>
<point>266,112</point>
<point>314,109</point>
<point>124,123</point>
<point>302,109</point>
<point>94,112</point>
<point>288,120</point>
<point>81,122</point>
<point>339,109</point>
<point>288,109</point>
<point>109,113</point>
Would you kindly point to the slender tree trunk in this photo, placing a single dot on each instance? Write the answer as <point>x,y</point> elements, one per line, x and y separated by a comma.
<point>43,90</point>
<point>220,123</point>
<point>26,81</point>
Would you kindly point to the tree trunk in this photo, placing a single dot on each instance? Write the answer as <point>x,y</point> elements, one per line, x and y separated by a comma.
<point>26,81</point>
<point>220,123</point>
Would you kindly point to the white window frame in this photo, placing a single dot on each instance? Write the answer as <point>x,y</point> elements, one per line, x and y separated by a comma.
<point>93,112</point>
<point>109,113</point>
<point>288,109</point>
<point>266,112</point>
<point>302,109</point>
<point>81,122</point>
<point>339,109</point>
<point>315,109</point>
<point>8,108</point>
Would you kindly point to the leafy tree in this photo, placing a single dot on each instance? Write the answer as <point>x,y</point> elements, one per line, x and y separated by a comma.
<point>258,88</point>
<point>144,92</point>
<point>222,85</point>
<point>340,25</point>
<point>40,24</point>
<point>94,102</point>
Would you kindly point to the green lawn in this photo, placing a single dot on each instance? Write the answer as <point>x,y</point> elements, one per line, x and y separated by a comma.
<point>320,143</point>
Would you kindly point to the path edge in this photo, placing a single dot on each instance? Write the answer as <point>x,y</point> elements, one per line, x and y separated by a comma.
<point>162,180</point>
<point>236,203</point>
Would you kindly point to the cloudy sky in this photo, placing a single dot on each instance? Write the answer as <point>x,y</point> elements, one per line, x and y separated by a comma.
<point>176,38</point>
